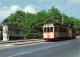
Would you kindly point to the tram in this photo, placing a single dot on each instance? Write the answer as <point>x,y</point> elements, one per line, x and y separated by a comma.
<point>54,31</point>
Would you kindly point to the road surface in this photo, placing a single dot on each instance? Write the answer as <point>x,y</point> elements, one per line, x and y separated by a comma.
<point>67,48</point>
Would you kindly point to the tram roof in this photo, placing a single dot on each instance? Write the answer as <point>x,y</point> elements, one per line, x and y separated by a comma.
<point>53,23</point>
<point>58,24</point>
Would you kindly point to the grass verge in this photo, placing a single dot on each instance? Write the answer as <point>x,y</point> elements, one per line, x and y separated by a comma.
<point>77,36</point>
<point>1,40</point>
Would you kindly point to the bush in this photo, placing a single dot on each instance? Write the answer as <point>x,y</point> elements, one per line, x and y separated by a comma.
<point>34,36</point>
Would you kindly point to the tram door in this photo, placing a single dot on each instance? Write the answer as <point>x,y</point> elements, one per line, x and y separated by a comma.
<point>56,31</point>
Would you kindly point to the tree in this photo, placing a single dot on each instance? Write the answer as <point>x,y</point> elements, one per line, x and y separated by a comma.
<point>33,23</point>
<point>55,15</point>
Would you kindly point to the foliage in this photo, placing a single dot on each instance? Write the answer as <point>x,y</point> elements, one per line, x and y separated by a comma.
<point>33,23</point>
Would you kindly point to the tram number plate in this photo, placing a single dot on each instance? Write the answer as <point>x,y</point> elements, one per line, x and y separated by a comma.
<point>48,36</point>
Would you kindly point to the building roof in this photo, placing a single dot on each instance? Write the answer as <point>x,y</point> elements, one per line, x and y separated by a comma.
<point>12,27</point>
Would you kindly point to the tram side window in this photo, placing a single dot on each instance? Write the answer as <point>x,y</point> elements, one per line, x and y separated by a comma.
<point>55,29</point>
<point>51,29</point>
<point>65,30</point>
<point>44,29</point>
<point>73,31</point>
<point>59,29</point>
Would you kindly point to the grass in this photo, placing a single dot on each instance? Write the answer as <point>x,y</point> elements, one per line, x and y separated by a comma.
<point>1,40</point>
<point>77,36</point>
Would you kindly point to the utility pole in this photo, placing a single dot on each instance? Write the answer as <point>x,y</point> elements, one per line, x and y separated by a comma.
<point>63,16</point>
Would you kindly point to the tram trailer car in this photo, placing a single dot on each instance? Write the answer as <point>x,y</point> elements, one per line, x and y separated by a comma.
<point>55,31</point>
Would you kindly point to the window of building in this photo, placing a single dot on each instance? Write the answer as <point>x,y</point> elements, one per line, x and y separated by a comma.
<point>17,33</point>
<point>0,33</point>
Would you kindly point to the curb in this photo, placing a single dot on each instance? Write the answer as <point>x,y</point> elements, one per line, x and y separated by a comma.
<point>27,40</point>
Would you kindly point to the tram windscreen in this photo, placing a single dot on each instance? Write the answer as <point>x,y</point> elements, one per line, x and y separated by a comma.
<point>44,29</point>
<point>51,29</point>
<point>48,29</point>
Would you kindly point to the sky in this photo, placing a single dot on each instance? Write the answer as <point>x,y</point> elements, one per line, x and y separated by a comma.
<point>69,7</point>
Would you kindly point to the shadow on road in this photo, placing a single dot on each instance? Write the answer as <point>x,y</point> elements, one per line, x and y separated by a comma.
<point>58,40</point>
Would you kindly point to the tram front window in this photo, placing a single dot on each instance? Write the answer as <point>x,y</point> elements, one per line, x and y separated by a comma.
<point>48,29</point>
<point>44,29</point>
<point>51,29</point>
